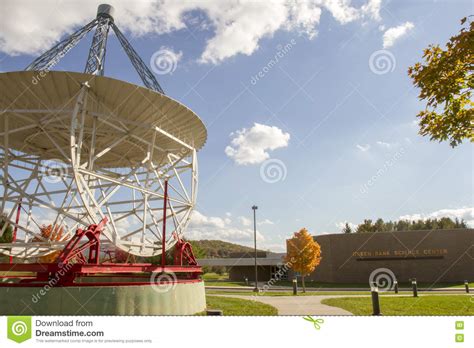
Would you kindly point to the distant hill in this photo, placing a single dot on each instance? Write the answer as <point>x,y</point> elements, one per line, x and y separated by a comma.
<point>219,248</point>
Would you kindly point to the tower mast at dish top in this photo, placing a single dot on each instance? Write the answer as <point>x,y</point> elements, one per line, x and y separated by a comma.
<point>96,59</point>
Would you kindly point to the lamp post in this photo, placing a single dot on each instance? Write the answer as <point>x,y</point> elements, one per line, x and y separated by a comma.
<point>254,208</point>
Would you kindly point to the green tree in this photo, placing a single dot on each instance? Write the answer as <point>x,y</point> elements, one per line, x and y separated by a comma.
<point>366,227</point>
<point>443,223</point>
<point>446,81</point>
<point>198,251</point>
<point>347,228</point>
<point>402,225</point>
<point>379,226</point>
<point>7,236</point>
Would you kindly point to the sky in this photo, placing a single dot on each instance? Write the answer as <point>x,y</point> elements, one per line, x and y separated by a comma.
<point>310,112</point>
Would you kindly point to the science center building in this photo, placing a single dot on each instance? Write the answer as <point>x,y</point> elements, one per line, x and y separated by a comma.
<point>430,256</point>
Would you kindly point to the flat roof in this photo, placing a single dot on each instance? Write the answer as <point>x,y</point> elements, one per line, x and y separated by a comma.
<point>273,260</point>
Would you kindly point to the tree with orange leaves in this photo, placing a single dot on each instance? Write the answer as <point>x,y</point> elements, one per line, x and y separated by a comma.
<point>53,234</point>
<point>303,253</point>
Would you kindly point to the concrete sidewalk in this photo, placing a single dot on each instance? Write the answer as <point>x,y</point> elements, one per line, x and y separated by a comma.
<point>296,305</point>
<point>310,305</point>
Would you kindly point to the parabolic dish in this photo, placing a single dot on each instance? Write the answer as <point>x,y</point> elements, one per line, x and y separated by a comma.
<point>30,98</point>
<point>75,148</point>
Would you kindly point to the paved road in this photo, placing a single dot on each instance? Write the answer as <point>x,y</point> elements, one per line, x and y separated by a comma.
<point>297,305</point>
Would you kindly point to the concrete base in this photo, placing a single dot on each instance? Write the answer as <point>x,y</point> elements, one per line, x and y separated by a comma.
<point>174,299</point>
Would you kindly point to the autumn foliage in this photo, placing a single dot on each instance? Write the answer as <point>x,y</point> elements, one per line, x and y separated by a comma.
<point>446,81</point>
<point>53,234</point>
<point>303,253</point>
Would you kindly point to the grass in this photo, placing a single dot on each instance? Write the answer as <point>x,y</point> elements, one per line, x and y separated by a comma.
<point>214,276</point>
<point>424,305</point>
<point>237,306</point>
<point>310,293</point>
<point>224,283</point>
<point>212,279</point>
<point>285,293</point>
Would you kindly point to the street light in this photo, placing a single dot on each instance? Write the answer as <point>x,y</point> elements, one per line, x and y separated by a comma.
<point>254,208</point>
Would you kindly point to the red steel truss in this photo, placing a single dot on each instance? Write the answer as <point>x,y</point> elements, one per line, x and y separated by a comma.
<point>72,268</point>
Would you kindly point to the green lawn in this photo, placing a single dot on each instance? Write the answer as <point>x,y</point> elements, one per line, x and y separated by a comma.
<point>285,293</point>
<point>236,306</point>
<point>223,283</point>
<point>215,276</point>
<point>423,305</point>
<point>211,279</point>
<point>309,293</point>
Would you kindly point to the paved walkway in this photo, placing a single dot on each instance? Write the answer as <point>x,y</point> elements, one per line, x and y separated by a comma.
<point>310,305</point>
<point>296,305</point>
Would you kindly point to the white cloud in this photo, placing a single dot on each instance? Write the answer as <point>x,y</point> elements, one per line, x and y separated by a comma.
<point>244,221</point>
<point>386,145</point>
<point>237,26</point>
<point>201,220</point>
<point>274,247</point>
<point>265,222</point>
<point>341,225</point>
<point>363,148</point>
<point>211,227</point>
<point>174,55</point>
<point>372,9</point>
<point>394,34</point>
<point>251,146</point>
<point>465,213</point>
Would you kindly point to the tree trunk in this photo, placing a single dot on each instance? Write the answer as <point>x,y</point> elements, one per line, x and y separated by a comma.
<point>302,281</point>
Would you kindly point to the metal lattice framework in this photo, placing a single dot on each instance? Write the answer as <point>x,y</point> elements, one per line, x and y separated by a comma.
<point>94,147</point>
<point>96,59</point>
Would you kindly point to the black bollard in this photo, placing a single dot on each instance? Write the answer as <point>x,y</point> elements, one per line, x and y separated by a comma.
<point>415,287</point>
<point>466,285</point>
<point>295,287</point>
<point>395,285</point>
<point>375,301</point>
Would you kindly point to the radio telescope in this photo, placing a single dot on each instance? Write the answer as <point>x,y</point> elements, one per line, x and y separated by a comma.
<point>76,147</point>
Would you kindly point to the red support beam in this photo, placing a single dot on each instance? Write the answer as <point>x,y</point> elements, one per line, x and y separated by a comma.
<point>106,268</point>
<point>163,231</point>
<point>16,227</point>
<point>72,264</point>
<point>75,251</point>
